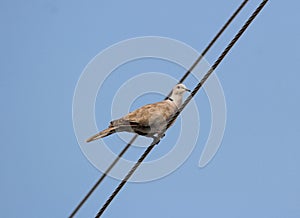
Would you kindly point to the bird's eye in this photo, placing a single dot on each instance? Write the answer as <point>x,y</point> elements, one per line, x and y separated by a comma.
<point>178,87</point>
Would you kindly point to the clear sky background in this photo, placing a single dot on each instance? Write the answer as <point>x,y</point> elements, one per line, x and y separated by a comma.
<point>46,44</point>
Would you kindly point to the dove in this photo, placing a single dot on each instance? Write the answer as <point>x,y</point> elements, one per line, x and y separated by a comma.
<point>149,120</point>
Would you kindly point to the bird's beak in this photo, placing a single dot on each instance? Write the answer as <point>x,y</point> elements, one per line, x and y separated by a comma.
<point>188,90</point>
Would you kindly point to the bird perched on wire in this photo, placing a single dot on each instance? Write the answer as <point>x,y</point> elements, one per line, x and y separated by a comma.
<point>148,120</point>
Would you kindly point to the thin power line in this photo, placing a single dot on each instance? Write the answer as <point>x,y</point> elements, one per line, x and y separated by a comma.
<point>102,177</point>
<point>237,11</point>
<point>196,89</point>
<point>212,42</point>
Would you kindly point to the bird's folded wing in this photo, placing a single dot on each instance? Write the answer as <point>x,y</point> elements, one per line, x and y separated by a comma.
<point>146,114</point>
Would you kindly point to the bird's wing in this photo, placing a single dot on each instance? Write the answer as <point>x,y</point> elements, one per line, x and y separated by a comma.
<point>146,115</point>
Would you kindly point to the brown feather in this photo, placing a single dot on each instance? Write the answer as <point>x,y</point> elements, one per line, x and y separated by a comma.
<point>146,121</point>
<point>106,132</point>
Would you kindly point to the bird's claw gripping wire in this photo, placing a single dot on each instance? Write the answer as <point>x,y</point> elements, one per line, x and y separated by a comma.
<point>156,139</point>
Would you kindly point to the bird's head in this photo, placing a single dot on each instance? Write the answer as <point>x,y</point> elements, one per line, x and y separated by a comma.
<point>179,89</point>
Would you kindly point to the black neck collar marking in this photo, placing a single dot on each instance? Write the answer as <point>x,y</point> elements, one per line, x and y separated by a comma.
<point>168,98</point>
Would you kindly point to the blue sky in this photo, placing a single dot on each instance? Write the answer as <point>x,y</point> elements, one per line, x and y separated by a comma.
<point>45,46</point>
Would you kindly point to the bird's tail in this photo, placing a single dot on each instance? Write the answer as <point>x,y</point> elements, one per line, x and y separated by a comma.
<point>110,130</point>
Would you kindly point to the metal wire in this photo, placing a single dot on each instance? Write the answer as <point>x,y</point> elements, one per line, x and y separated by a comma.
<point>193,93</point>
<point>212,42</point>
<point>232,17</point>
<point>102,177</point>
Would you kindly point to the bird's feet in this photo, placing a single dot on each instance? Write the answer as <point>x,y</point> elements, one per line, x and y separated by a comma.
<point>157,138</point>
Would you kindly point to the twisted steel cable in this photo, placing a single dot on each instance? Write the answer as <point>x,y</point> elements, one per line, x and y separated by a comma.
<point>220,32</point>
<point>193,93</point>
